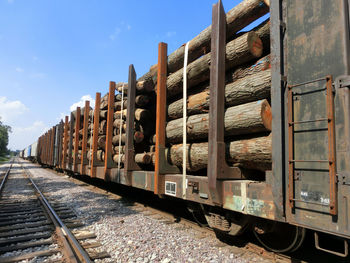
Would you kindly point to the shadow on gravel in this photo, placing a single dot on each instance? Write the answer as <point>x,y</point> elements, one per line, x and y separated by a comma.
<point>176,207</point>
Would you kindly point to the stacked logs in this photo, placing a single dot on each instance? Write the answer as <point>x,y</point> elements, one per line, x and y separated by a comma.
<point>144,125</point>
<point>247,96</point>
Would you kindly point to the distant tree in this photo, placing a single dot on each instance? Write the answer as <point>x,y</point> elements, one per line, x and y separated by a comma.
<point>4,138</point>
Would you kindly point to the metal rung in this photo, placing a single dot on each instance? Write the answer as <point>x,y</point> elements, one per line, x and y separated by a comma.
<point>346,247</point>
<point>310,161</point>
<point>307,121</point>
<point>309,202</point>
<point>307,82</point>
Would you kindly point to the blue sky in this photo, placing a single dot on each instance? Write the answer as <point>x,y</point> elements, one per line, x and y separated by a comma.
<point>54,52</point>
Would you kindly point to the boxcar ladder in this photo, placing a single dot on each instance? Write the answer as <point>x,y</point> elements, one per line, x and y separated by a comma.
<point>331,145</point>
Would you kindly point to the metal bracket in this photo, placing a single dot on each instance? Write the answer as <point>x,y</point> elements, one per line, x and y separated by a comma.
<point>342,81</point>
<point>76,141</point>
<point>161,165</point>
<point>96,123</point>
<point>130,164</point>
<point>344,178</point>
<point>346,247</point>
<point>84,160</point>
<point>217,166</point>
<point>283,26</point>
<point>109,133</point>
<point>70,142</point>
<point>65,143</point>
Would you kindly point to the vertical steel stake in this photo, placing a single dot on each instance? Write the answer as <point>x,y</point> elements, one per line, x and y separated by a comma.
<point>84,160</point>
<point>161,165</point>
<point>95,135</point>
<point>217,166</point>
<point>130,164</point>
<point>109,133</point>
<point>65,143</point>
<point>76,141</point>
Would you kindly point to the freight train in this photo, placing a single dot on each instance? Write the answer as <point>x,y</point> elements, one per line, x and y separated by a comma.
<point>240,164</point>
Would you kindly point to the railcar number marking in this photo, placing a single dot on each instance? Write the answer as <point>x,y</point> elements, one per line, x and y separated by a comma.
<point>170,188</point>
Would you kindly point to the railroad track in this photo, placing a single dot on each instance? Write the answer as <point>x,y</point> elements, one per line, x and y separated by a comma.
<point>32,228</point>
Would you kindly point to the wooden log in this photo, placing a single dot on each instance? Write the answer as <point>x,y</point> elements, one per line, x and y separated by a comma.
<point>253,153</point>
<point>250,88</point>
<point>138,137</point>
<point>100,155</point>
<point>103,114</point>
<point>103,127</point>
<point>122,149</point>
<point>263,31</point>
<point>104,101</point>
<point>141,86</point>
<point>140,101</point>
<point>101,142</point>
<point>248,69</point>
<point>146,129</point>
<point>141,115</point>
<point>253,117</point>
<point>140,158</point>
<point>239,51</point>
<point>236,19</point>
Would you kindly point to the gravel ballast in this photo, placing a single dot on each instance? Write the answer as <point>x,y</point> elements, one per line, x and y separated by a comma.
<point>129,235</point>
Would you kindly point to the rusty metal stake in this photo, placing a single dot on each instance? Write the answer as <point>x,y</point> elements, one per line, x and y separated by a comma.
<point>217,166</point>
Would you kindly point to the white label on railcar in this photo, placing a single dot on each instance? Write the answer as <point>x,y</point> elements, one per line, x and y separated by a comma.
<point>170,188</point>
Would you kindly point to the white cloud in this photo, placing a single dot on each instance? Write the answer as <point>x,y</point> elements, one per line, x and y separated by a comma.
<point>21,137</point>
<point>10,110</point>
<point>81,102</point>
<point>38,75</point>
<point>170,33</point>
<point>114,35</point>
<point>19,69</point>
<point>119,29</point>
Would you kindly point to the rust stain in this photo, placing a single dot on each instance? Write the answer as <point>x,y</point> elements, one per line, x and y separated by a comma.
<point>257,47</point>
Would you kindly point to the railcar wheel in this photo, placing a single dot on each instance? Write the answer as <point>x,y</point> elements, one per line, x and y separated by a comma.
<point>280,237</point>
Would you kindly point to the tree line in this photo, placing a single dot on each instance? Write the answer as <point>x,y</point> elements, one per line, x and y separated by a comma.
<point>4,138</point>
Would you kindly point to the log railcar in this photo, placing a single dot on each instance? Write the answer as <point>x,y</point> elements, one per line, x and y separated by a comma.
<point>308,186</point>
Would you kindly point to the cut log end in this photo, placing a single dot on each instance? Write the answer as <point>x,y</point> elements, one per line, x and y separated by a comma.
<point>267,2</point>
<point>266,115</point>
<point>255,44</point>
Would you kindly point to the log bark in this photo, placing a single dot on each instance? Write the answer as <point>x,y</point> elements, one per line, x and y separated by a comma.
<point>253,117</point>
<point>141,86</point>
<point>252,153</point>
<point>250,88</point>
<point>104,101</point>
<point>100,155</point>
<point>236,19</point>
<point>101,142</point>
<point>138,137</point>
<point>141,115</point>
<point>103,127</point>
<point>116,149</point>
<point>239,51</point>
<point>140,158</point>
<point>140,101</point>
<point>103,114</point>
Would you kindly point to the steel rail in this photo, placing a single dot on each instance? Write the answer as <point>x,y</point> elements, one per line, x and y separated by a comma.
<point>78,249</point>
<point>5,177</point>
